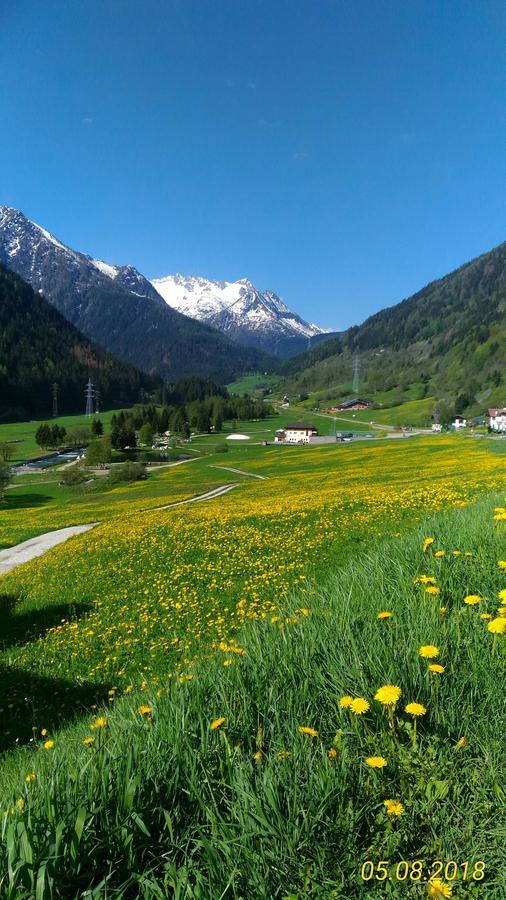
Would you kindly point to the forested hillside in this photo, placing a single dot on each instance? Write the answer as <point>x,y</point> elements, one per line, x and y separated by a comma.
<point>449,338</point>
<point>39,347</point>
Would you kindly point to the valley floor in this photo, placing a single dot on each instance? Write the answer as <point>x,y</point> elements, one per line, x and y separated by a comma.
<point>173,679</point>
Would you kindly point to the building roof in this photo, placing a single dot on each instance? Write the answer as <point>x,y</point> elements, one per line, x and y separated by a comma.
<point>300,426</point>
<point>354,401</point>
<point>496,412</point>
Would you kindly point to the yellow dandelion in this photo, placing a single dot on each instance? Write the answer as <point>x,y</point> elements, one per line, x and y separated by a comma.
<point>332,753</point>
<point>456,552</point>
<point>346,701</point>
<point>426,544</point>
<point>88,741</point>
<point>497,626</point>
<point>461,743</point>
<point>20,803</point>
<point>438,888</point>
<point>393,807</point>
<point>100,722</point>
<point>145,710</point>
<point>439,553</point>
<point>501,611</point>
<point>283,754</point>
<point>433,590</point>
<point>30,777</point>
<point>217,723</point>
<point>359,705</point>
<point>376,762</point>
<point>384,615</point>
<point>485,616</point>
<point>443,610</point>
<point>48,745</point>
<point>502,595</point>
<point>472,599</point>
<point>428,651</point>
<point>435,667</point>
<point>388,695</point>
<point>304,729</point>
<point>43,731</point>
<point>424,579</point>
<point>257,757</point>
<point>501,563</point>
<point>415,709</point>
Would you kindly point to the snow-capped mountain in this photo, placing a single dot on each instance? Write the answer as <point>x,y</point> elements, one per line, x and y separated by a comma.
<point>118,308</point>
<point>33,252</point>
<point>240,310</point>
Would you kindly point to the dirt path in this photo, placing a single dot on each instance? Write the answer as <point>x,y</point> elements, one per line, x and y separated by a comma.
<point>240,472</point>
<point>21,553</point>
<point>37,546</point>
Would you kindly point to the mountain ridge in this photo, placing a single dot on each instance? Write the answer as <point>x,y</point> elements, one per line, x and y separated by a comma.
<point>118,308</point>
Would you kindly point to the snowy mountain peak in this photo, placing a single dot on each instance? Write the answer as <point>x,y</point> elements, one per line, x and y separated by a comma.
<point>239,309</point>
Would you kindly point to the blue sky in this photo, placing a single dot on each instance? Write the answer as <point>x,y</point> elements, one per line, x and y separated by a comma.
<point>342,154</point>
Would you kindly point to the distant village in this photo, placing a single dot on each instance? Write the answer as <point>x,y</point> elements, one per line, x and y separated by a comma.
<point>304,433</point>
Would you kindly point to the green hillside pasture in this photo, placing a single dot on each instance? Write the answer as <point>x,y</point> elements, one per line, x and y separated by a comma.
<point>22,434</point>
<point>251,779</point>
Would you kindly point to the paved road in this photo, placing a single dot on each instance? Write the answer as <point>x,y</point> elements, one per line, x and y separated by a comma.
<point>21,553</point>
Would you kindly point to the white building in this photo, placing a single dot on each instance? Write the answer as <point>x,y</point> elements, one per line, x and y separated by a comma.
<point>297,433</point>
<point>497,419</point>
<point>459,422</point>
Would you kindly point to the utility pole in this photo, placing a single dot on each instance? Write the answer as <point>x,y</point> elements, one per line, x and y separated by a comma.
<point>55,399</point>
<point>97,400</point>
<point>356,375</point>
<point>89,398</point>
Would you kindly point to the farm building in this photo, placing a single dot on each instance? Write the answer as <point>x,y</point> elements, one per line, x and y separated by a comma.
<point>459,422</point>
<point>497,419</point>
<point>348,405</point>
<point>296,433</point>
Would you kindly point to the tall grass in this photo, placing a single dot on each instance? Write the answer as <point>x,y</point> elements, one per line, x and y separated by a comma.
<point>161,805</point>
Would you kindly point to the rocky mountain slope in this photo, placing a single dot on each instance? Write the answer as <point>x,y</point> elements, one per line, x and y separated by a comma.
<point>241,311</point>
<point>118,308</point>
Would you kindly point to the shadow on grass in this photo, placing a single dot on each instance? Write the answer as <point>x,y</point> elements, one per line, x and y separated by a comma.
<point>23,627</point>
<point>30,701</point>
<point>35,702</point>
<point>15,500</point>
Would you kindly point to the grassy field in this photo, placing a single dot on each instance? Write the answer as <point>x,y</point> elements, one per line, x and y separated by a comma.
<point>253,384</point>
<point>22,434</point>
<point>257,612</point>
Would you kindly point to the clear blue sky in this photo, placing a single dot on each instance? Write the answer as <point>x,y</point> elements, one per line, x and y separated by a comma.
<point>341,153</point>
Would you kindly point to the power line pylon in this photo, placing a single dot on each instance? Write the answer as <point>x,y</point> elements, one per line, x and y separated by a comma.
<point>356,375</point>
<point>89,392</point>
<point>55,399</point>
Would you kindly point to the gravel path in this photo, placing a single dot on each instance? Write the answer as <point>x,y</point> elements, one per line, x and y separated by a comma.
<point>240,472</point>
<point>21,553</point>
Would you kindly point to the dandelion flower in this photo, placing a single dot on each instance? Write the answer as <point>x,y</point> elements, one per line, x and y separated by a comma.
<point>257,757</point>
<point>283,754</point>
<point>217,723</point>
<point>461,743</point>
<point>30,777</point>
<point>435,667</point>
<point>393,807</point>
<point>472,599</point>
<point>497,626</point>
<point>443,609</point>
<point>359,705</point>
<point>388,695</point>
<point>502,594</point>
<point>345,701</point>
<point>43,731</point>
<point>426,544</point>
<point>88,741</point>
<point>48,745</point>
<point>145,710</point>
<point>439,553</point>
<point>100,722</point>
<point>485,616</point>
<point>304,729</point>
<point>415,709</point>
<point>384,615</point>
<point>456,552</point>
<point>376,762</point>
<point>501,563</point>
<point>332,753</point>
<point>433,590</point>
<point>438,888</point>
<point>428,651</point>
